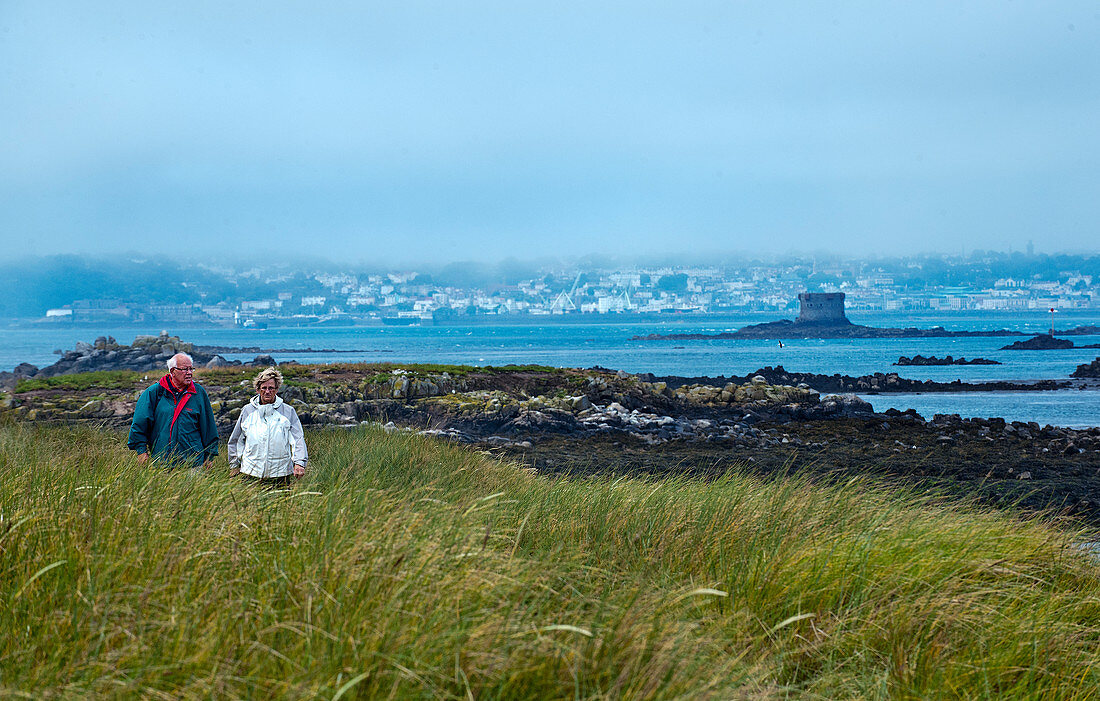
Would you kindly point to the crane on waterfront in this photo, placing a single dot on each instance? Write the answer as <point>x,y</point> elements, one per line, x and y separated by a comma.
<point>564,301</point>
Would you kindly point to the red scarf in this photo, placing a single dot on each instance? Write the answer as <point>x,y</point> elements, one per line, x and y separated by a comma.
<point>188,392</point>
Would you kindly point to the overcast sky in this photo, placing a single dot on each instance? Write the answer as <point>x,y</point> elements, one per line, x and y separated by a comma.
<point>411,131</point>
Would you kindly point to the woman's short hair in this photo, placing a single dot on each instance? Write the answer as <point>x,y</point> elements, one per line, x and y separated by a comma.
<point>265,375</point>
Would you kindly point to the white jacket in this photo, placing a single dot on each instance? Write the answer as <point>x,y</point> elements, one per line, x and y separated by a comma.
<point>268,440</point>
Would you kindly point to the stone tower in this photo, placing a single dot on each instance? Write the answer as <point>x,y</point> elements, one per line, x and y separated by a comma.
<point>822,308</point>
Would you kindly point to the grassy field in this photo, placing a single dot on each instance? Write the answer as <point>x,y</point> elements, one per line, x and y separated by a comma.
<point>405,568</point>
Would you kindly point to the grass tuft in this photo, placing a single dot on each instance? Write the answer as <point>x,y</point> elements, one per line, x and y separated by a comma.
<point>402,567</point>
<point>100,379</point>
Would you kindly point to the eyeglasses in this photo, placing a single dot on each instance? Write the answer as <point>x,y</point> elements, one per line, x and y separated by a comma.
<point>268,389</point>
<point>185,369</point>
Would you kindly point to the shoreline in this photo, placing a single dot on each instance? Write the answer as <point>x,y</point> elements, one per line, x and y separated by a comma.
<point>598,421</point>
<point>148,353</point>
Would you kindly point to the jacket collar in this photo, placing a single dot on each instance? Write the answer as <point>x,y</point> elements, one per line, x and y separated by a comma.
<point>166,383</point>
<point>255,401</point>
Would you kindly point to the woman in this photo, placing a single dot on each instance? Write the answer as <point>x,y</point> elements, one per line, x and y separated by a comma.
<point>267,443</point>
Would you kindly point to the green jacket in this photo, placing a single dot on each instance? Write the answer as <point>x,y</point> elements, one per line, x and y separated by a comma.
<point>176,424</point>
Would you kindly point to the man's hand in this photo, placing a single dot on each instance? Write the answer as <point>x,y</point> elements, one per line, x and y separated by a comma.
<point>143,458</point>
<point>299,470</point>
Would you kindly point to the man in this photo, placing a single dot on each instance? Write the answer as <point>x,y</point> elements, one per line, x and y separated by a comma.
<point>173,419</point>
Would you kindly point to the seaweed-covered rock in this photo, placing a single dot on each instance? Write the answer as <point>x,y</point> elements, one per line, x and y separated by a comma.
<point>757,390</point>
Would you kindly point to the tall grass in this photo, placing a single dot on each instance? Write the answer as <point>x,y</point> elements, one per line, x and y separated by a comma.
<point>401,567</point>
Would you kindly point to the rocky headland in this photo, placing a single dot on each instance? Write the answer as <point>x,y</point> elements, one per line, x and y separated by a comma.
<point>598,421</point>
<point>920,360</point>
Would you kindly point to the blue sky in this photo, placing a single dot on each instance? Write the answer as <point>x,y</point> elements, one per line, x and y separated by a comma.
<point>415,131</point>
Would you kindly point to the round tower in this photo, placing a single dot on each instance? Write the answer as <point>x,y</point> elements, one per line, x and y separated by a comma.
<point>821,308</point>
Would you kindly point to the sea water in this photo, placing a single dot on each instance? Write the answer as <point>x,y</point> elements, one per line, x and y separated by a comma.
<point>612,345</point>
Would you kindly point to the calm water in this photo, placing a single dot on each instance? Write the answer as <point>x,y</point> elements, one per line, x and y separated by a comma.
<point>609,345</point>
<point>1071,408</point>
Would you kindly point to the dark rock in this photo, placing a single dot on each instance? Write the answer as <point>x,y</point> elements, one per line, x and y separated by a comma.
<point>1043,341</point>
<point>1089,330</point>
<point>218,362</point>
<point>1087,370</point>
<point>920,360</point>
<point>879,382</point>
<point>146,353</point>
<point>23,370</point>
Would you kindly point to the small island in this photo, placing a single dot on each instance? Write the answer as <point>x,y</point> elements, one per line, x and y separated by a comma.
<point>822,315</point>
<point>1045,341</point>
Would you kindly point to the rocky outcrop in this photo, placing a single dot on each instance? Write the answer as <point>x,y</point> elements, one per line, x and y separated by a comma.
<point>878,382</point>
<point>1088,369</point>
<point>472,402</point>
<point>755,391</point>
<point>1088,330</point>
<point>1043,341</point>
<point>145,353</point>
<point>1011,464</point>
<point>920,360</point>
<point>785,328</point>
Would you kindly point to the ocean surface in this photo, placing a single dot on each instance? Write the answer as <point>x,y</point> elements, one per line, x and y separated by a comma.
<point>609,345</point>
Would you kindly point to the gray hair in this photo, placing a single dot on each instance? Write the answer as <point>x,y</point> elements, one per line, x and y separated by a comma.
<point>265,375</point>
<point>172,362</point>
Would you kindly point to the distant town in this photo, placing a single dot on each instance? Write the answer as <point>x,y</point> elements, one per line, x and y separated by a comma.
<point>259,296</point>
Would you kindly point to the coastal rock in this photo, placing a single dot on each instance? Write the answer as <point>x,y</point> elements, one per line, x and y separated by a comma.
<point>920,360</point>
<point>1087,369</point>
<point>146,353</point>
<point>878,382</point>
<point>1043,341</point>
<point>1087,330</point>
<point>757,390</point>
<point>23,370</point>
<point>785,328</point>
<point>846,404</point>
